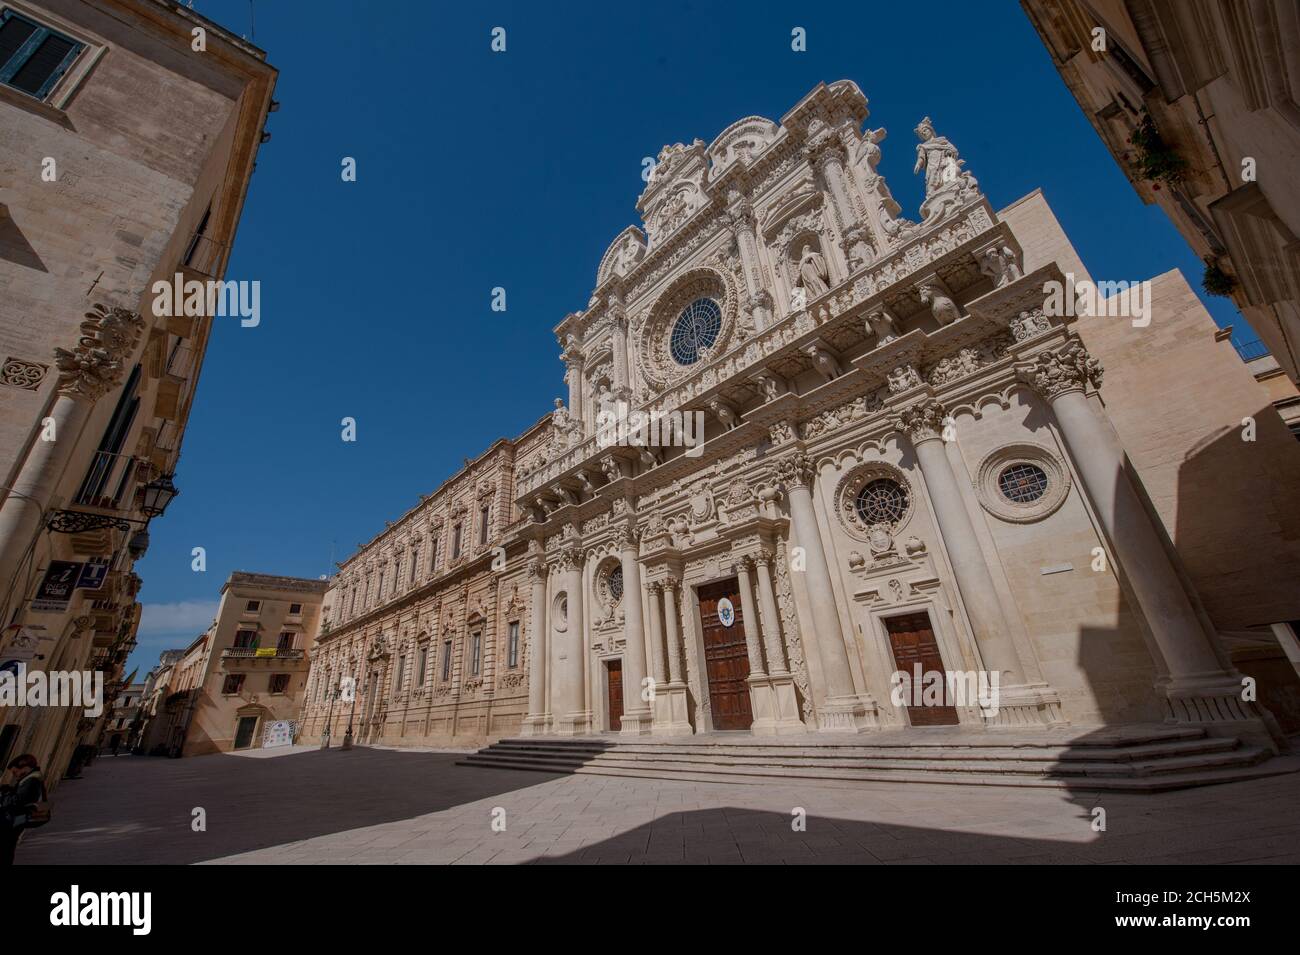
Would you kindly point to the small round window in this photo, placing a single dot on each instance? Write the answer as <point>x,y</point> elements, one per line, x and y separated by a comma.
<point>695,330</point>
<point>1022,483</point>
<point>882,501</point>
<point>616,584</point>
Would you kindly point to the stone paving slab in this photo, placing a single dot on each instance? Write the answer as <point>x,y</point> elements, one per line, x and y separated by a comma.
<point>372,806</point>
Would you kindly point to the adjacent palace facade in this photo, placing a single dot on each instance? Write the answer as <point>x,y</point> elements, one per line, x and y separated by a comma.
<point>908,458</point>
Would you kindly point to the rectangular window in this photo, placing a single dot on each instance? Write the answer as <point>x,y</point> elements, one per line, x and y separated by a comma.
<point>446,661</point>
<point>483,526</point>
<point>233,684</point>
<point>400,675</point>
<point>108,459</point>
<point>379,592</point>
<point>295,609</point>
<point>279,683</point>
<point>423,663</point>
<point>286,642</point>
<point>512,647</point>
<point>475,653</point>
<point>254,606</point>
<point>33,57</point>
<point>433,555</point>
<point>455,542</point>
<point>246,639</point>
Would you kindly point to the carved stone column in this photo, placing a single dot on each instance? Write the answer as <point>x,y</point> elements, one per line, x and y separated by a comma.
<point>537,721</point>
<point>654,590</point>
<point>636,714</point>
<point>759,300</point>
<point>923,424</point>
<point>573,363</point>
<point>829,161</point>
<point>569,650</point>
<point>95,367</point>
<point>753,642</point>
<point>1198,689</point>
<point>618,329</point>
<point>786,713</point>
<point>842,709</point>
<point>677,712</point>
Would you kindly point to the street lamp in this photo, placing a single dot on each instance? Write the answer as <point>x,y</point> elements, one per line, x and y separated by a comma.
<point>329,718</point>
<point>158,493</point>
<point>347,736</point>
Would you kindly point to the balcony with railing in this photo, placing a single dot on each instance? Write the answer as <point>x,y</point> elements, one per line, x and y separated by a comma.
<point>235,659</point>
<point>1249,351</point>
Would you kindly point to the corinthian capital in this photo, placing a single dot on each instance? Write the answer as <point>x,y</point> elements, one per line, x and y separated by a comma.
<point>795,471</point>
<point>1054,373</point>
<point>923,421</point>
<point>96,365</point>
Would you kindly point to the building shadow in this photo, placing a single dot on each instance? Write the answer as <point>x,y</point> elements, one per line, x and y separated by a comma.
<point>14,246</point>
<point>137,810</point>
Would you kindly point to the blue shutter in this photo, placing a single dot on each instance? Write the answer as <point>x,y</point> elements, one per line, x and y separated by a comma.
<point>32,57</point>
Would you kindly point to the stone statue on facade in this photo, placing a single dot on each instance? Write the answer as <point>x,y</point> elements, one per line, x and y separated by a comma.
<point>813,277</point>
<point>947,185</point>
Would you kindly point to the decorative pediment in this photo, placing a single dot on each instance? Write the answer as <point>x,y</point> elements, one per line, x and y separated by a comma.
<point>743,140</point>
<point>675,190</point>
<point>623,255</point>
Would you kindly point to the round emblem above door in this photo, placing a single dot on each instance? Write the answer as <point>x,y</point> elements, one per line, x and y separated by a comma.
<point>726,612</point>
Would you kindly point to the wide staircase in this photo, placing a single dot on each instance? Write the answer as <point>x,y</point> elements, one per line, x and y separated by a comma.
<point>1132,759</point>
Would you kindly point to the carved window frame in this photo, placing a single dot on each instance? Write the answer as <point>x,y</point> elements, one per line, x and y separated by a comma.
<point>990,495</point>
<point>846,496</point>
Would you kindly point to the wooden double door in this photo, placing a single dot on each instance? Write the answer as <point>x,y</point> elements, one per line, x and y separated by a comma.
<point>912,639</point>
<point>726,659</point>
<point>614,684</point>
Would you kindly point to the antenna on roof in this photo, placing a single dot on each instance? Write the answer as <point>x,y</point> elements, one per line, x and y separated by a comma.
<point>252,24</point>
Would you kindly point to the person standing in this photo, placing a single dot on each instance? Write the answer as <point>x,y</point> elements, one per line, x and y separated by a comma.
<point>23,805</point>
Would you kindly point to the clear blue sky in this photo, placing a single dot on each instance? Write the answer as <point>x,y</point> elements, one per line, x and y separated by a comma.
<point>478,170</point>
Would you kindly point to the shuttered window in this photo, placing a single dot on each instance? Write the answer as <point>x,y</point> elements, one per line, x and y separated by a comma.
<point>33,57</point>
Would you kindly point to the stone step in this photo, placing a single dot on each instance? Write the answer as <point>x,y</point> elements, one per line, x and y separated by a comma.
<point>691,752</point>
<point>855,778</point>
<point>795,766</point>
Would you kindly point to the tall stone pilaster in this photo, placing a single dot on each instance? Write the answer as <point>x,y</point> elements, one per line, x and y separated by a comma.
<point>676,711</point>
<point>637,717</point>
<point>537,721</point>
<point>1198,688</point>
<point>842,709</point>
<point>570,715</point>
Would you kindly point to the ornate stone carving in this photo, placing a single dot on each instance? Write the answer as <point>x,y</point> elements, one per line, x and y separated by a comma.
<point>922,421</point>
<point>97,364</point>
<point>18,373</point>
<point>942,307</point>
<point>952,367</point>
<point>1069,368</point>
<point>1000,265</point>
<point>903,378</point>
<point>1030,322</point>
<point>797,470</point>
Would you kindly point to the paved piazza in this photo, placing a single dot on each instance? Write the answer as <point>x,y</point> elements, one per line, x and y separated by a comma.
<point>388,806</point>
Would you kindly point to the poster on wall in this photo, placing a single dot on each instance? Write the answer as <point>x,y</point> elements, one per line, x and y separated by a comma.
<point>278,733</point>
<point>57,586</point>
<point>93,574</point>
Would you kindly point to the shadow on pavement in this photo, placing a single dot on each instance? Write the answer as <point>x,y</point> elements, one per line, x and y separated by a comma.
<point>134,810</point>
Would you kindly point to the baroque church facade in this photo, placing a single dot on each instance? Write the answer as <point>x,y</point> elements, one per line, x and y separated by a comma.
<point>906,460</point>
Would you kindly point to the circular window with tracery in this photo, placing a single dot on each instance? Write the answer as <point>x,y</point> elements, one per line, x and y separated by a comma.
<point>616,584</point>
<point>873,494</point>
<point>882,501</point>
<point>1022,483</point>
<point>695,331</point>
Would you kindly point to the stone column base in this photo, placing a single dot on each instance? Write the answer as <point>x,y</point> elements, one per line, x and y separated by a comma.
<point>672,716</point>
<point>535,725</point>
<point>847,714</point>
<point>1028,705</point>
<point>775,705</point>
<point>572,724</point>
<point>636,723</point>
<point>1214,702</point>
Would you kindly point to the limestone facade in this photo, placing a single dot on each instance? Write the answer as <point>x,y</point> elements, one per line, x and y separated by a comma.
<point>128,165</point>
<point>905,457</point>
<point>1220,83</point>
